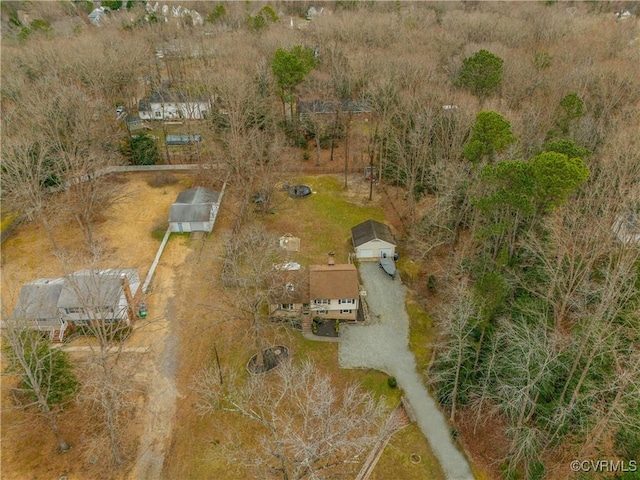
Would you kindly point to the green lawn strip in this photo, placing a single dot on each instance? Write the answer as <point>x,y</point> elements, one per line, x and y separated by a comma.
<point>6,219</point>
<point>395,461</point>
<point>421,332</point>
<point>323,221</point>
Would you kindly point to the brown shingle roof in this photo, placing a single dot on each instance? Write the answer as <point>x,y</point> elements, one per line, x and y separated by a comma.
<point>291,286</point>
<point>371,230</point>
<point>333,281</point>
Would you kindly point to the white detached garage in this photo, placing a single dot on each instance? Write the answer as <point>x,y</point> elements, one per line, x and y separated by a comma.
<point>194,210</point>
<point>372,240</point>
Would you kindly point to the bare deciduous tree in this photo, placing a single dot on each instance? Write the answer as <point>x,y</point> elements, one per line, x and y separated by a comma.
<point>305,427</point>
<point>109,385</point>
<point>27,175</point>
<point>458,322</point>
<point>251,277</point>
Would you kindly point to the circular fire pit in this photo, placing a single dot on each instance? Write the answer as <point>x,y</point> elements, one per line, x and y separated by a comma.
<point>272,357</point>
<point>299,191</point>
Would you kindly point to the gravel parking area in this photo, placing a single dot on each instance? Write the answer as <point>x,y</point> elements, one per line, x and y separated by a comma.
<point>383,345</point>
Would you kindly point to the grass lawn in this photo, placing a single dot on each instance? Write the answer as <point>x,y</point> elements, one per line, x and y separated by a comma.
<point>421,332</point>
<point>323,220</point>
<point>395,461</point>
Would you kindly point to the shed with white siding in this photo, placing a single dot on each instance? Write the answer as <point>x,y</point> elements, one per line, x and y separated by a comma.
<point>372,240</point>
<point>194,210</point>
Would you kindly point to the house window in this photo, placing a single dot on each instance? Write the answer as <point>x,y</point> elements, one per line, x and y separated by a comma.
<point>346,300</point>
<point>287,306</point>
<point>158,114</point>
<point>322,311</point>
<point>346,311</point>
<point>71,310</point>
<point>321,302</point>
<point>290,287</point>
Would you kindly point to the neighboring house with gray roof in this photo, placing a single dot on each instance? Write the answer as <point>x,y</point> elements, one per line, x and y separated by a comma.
<point>52,304</point>
<point>38,304</point>
<point>89,295</point>
<point>98,14</point>
<point>329,107</point>
<point>194,210</point>
<point>170,105</point>
<point>372,240</point>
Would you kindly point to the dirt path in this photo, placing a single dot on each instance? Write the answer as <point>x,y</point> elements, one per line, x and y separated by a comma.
<point>161,364</point>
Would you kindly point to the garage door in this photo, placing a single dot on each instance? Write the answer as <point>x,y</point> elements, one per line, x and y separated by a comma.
<point>365,254</point>
<point>387,251</point>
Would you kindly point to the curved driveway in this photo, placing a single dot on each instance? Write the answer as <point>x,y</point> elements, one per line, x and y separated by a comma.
<point>384,345</point>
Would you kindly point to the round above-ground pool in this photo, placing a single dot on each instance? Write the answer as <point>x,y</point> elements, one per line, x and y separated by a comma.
<point>299,191</point>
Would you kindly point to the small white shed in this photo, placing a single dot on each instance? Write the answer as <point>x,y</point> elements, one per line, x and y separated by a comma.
<point>372,240</point>
<point>627,228</point>
<point>194,210</point>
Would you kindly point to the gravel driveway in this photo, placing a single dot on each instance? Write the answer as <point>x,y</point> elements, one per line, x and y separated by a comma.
<point>383,345</point>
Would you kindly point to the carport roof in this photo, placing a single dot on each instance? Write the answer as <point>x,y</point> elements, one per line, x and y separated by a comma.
<point>371,230</point>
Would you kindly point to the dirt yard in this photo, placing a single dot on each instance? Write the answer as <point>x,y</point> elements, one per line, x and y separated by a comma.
<point>126,241</point>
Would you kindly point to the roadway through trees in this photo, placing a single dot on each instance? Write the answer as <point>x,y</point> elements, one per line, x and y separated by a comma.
<point>384,345</point>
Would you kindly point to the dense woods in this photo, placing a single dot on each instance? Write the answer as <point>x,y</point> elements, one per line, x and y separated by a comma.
<point>510,129</point>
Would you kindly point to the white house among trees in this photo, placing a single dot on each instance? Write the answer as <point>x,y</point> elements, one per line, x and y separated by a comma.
<point>372,240</point>
<point>38,303</point>
<point>165,105</point>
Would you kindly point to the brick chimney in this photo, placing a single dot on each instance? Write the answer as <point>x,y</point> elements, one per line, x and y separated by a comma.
<point>126,288</point>
<point>332,259</point>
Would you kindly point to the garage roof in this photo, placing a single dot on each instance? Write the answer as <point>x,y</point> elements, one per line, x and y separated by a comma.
<point>371,230</point>
<point>193,205</point>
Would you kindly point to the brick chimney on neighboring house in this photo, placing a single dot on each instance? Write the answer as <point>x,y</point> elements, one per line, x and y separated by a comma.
<point>332,258</point>
<point>126,288</point>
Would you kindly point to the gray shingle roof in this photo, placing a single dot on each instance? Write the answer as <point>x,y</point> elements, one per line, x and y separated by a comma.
<point>167,96</point>
<point>38,300</point>
<point>328,106</point>
<point>94,288</point>
<point>193,205</point>
<point>371,230</point>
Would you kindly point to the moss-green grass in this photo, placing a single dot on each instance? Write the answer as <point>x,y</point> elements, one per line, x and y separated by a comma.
<point>421,332</point>
<point>395,463</point>
<point>6,219</point>
<point>322,221</point>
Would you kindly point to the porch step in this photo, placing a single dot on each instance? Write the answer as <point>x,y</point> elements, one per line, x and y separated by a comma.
<point>56,336</point>
<point>306,324</point>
